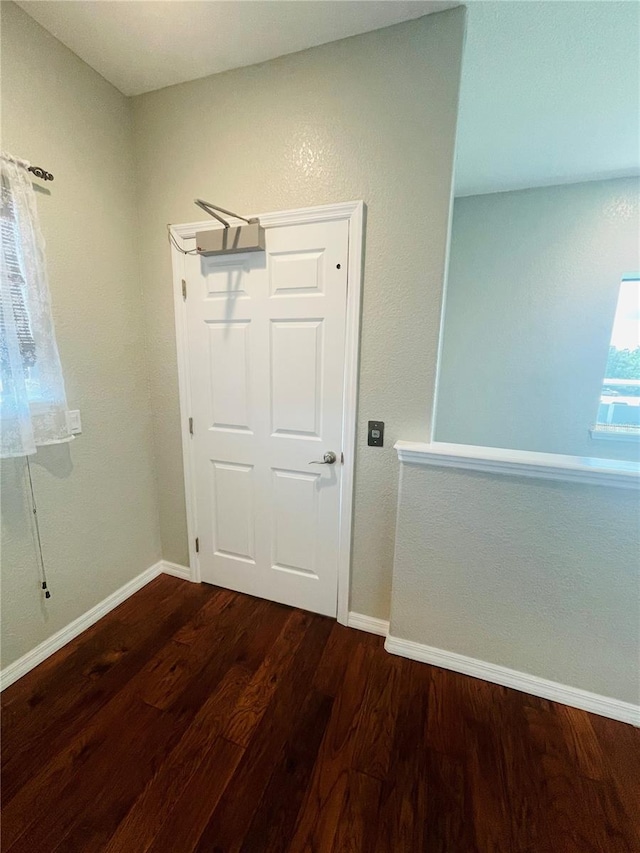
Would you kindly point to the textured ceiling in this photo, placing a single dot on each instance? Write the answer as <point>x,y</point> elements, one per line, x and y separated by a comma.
<point>550,94</point>
<point>550,90</point>
<point>141,45</point>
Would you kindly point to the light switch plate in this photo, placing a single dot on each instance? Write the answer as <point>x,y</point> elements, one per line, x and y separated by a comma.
<point>74,424</point>
<point>375,434</point>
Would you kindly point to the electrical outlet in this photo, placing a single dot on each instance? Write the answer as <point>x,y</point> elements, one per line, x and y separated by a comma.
<point>74,424</point>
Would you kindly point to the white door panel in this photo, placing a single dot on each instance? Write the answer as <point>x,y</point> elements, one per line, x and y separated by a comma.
<point>266,338</point>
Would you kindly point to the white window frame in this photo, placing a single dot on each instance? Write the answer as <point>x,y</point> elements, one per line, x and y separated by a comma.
<point>597,432</point>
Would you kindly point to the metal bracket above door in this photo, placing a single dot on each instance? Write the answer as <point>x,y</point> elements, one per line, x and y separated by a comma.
<point>232,238</point>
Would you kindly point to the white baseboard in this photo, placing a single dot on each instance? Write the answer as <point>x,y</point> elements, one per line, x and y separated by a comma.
<point>605,706</point>
<point>176,570</point>
<point>575,697</point>
<point>27,662</point>
<point>368,623</point>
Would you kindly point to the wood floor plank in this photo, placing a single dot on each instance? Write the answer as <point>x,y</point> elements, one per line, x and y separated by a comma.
<point>258,694</point>
<point>44,732</point>
<point>320,812</point>
<point>228,824</point>
<point>275,817</point>
<point>446,722</point>
<point>503,765</point>
<point>52,687</point>
<point>506,712</point>
<point>244,641</point>
<point>335,657</point>
<point>61,771</point>
<point>180,833</point>
<point>402,810</point>
<point>582,743</point>
<point>35,687</point>
<point>165,790</point>
<point>447,823</point>
<point>50,682</point>
<point>357,824</point>
<point>583,815</point>
<point>193,719</point>
<point>620,746</point>
<point>183,658</point>
<point>222,641</point>
<point>86,792</point>
<point>376,729</point>
<point>197,631</point>
<point>489,784</point>
<point>260,632</point>
<point>576,807</point>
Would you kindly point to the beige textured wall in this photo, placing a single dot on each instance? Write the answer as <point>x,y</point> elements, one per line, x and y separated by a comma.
<point>371,117</point>
<point>538,576</point>
<point>96,496</point>
<point>533,284</point>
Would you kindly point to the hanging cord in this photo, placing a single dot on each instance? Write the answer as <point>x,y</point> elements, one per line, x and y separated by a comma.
<point>173,241</point>
<point>47,594</point>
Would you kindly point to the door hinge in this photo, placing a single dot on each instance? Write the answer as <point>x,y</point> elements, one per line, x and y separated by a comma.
<point>342,458</point>
<point>190,426</point>
<point>197,545</point>
<point>184,288</point>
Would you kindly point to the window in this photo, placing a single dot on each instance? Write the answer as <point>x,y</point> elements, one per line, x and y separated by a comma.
<point>619,408</point>
<point>32,395</point>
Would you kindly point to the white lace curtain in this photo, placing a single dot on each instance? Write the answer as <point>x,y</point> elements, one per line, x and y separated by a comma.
<point>33,403</point>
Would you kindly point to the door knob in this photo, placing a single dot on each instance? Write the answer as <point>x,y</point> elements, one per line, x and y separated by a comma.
<point>328,459</point>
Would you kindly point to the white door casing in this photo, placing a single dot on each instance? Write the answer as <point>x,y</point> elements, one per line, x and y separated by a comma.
<point>267,357</point>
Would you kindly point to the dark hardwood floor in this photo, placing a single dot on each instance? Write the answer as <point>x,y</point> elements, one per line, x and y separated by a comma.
<point>192,719</point>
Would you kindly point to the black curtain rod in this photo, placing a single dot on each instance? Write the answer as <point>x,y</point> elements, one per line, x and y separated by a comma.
<point>41,173</point>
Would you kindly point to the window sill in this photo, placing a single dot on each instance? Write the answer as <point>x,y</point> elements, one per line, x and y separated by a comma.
<point>611,435</point>
<point>521,463</point>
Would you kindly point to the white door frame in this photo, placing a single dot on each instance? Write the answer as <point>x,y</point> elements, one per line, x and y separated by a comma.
<point>184,237</point>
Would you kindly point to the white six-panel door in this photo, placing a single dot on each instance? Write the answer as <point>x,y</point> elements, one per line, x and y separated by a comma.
<point>266,353</point>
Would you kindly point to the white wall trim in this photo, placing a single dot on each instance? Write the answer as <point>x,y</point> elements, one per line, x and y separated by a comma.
<point>605,706</point>
<point>354,211</point>
<point>521,463</point>
<point>302,216</point>
<point>52,644</point>
<point>368,623</point>
<point>184,235</point>
<point>176,570</point>
<point>184,395</point>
